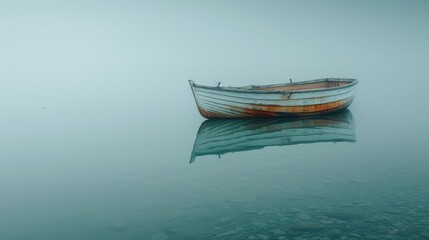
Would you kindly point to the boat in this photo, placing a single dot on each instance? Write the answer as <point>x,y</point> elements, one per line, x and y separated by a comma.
<point>312,97</point>
<point>221,136</point>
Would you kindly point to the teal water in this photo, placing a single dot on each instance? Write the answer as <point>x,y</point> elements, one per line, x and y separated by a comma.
<point>101,176</point>
<point>101,138</point>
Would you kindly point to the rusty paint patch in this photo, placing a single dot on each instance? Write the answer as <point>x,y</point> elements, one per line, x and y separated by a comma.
<point>254,112</point>
<point>208,114</point>
<point>307,109</point>
<point>282,111</point>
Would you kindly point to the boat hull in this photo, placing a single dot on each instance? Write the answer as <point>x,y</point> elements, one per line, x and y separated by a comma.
<point>219,102</point>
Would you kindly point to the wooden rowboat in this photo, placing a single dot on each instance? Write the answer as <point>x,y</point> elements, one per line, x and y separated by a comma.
<point>221,136</point>
<point>313,97</point>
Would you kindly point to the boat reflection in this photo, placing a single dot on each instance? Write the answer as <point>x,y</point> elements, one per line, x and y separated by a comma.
<point>220,136</point>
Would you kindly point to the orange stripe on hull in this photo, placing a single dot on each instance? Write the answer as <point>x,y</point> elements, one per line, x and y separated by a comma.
<point>278,111</point>
<point>308,109</point>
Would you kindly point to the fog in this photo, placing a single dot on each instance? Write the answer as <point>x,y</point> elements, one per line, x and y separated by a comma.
<point>97,109</point>
<point>82,64</point>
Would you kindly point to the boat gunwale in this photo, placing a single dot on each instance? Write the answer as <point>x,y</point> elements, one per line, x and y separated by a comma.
<point>254,88</point>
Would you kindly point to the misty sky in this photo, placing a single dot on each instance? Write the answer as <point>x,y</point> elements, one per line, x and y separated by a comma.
<point>207,40</point>
<point>98,120</point>
<point>80,55</point>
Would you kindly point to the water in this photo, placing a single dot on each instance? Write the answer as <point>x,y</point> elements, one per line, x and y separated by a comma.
<point>99,125</point>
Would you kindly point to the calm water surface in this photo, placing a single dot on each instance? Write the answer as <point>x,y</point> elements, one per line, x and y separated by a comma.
<point>101,138</point>
<point>128,175</point>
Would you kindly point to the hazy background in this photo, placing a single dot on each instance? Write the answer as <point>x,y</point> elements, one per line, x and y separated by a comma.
<point>97,115</point>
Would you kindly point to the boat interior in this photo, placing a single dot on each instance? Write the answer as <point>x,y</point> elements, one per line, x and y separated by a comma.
<point>303,86</point>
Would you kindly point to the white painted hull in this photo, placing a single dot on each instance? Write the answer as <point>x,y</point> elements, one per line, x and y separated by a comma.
<point>254,101</point>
